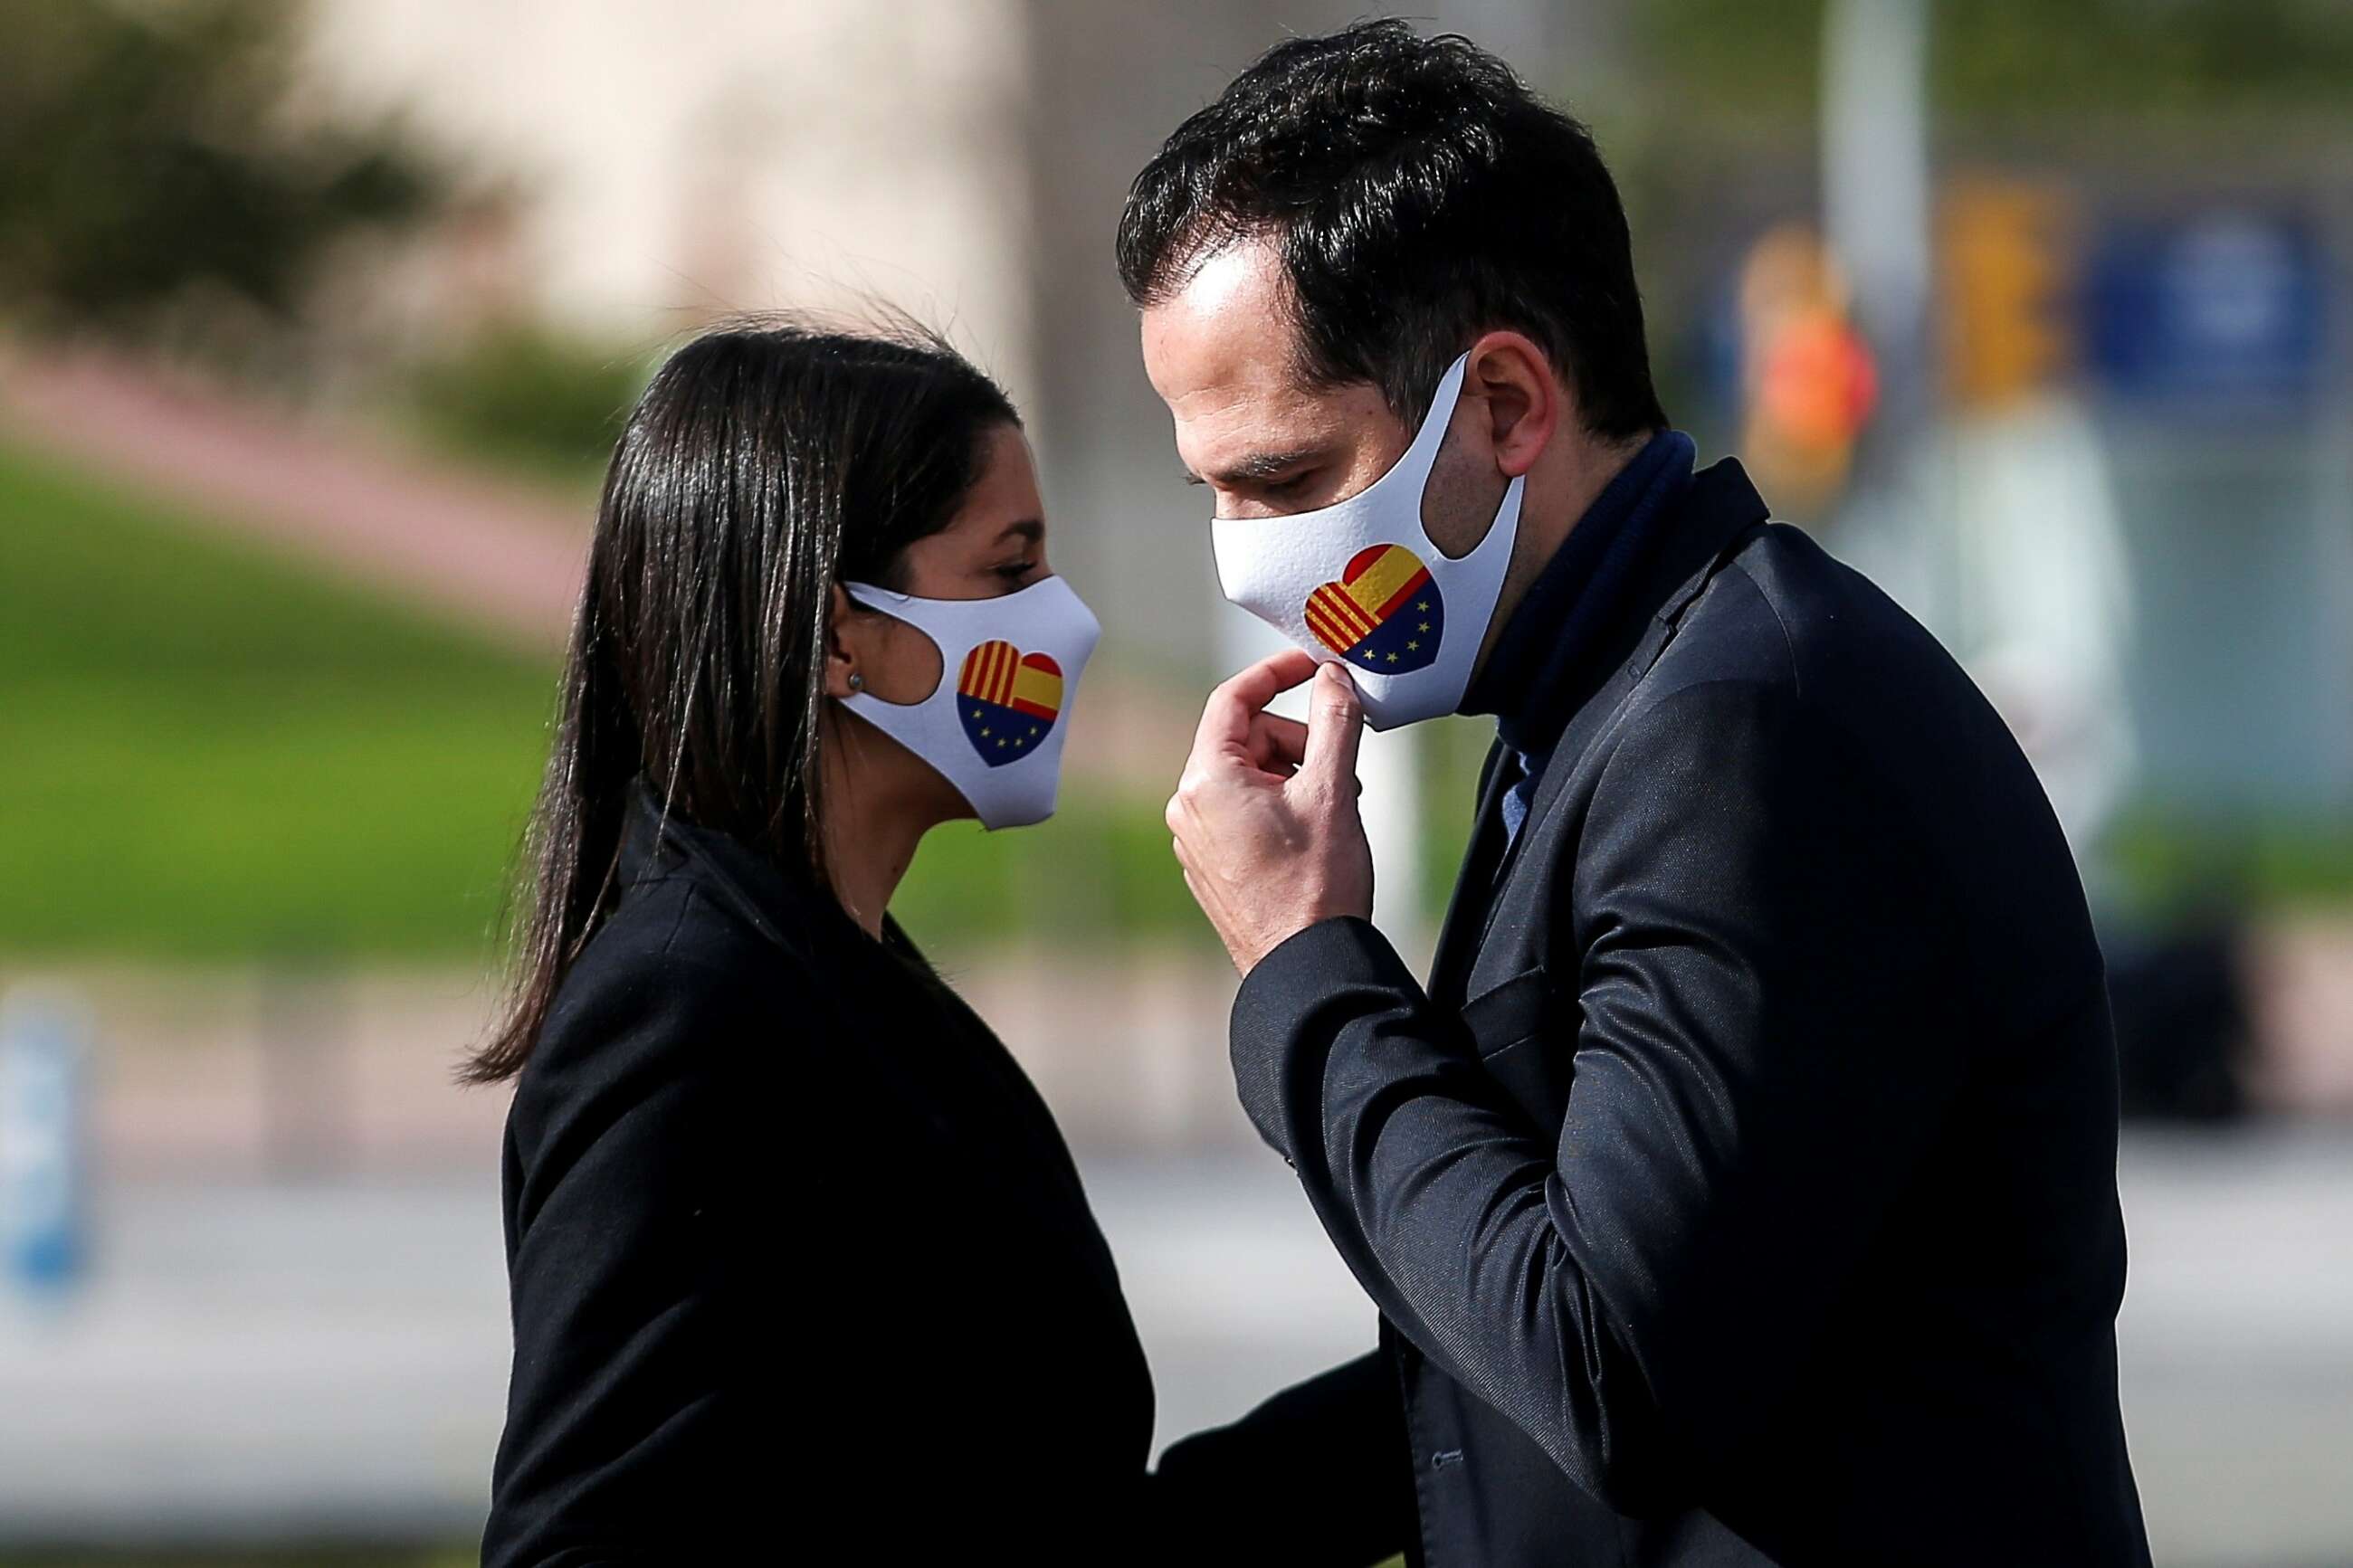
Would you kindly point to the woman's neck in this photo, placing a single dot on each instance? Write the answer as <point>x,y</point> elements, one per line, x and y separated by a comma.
<point>871,833</point>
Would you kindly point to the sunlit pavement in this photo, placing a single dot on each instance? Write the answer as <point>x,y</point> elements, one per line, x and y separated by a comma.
<point>319,1363</point>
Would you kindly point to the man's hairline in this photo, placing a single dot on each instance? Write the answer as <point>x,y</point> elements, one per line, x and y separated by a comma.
<point>1193,245</point>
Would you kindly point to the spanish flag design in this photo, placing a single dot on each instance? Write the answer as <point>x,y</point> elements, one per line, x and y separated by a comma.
<point>1383,616</point>
<point>1008,700</point>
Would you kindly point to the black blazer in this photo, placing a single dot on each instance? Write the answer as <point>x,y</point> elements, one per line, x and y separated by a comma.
<point>1741,1189</point>
<point>797,1258</point>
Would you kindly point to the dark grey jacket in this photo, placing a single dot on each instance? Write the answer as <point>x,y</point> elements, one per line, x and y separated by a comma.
<point>802,1272</point>
<point>1741,1189</point>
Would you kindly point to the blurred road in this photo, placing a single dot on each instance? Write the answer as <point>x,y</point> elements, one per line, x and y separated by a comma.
<point>319,1363</point>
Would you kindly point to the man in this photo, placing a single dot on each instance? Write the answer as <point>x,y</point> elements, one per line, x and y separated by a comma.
<point>1740,1188</point>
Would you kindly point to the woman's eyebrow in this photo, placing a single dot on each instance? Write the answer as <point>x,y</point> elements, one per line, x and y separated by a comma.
<point>1029,529</point>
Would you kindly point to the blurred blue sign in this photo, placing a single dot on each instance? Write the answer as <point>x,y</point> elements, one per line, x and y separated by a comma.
<point>43,1052</point>
<point>2225,310</point>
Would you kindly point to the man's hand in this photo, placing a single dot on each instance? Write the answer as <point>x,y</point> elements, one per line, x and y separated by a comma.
<point>1265,815</point>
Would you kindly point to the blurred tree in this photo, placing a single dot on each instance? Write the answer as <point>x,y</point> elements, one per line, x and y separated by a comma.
<point>2004,59</point>
<point>530,398</point>
<point>2000,59</point>
<point>147,151</point>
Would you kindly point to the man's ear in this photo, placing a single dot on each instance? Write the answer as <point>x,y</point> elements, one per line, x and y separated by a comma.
<point>841,652</point>
<point>1524,399</point>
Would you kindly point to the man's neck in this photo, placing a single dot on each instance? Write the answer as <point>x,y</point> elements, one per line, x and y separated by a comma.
<point>1557,497</point>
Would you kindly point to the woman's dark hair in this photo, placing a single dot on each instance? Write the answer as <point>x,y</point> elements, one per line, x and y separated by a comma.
<point>768,460</point>
<point>1418,194</point>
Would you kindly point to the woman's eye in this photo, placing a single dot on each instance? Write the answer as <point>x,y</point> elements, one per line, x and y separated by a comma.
<point>1015,571</point>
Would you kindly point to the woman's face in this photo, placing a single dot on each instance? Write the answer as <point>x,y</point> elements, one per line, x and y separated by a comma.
<point>995,545</point>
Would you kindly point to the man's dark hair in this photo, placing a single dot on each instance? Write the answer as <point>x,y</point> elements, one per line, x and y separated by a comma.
<point>1418,194</point>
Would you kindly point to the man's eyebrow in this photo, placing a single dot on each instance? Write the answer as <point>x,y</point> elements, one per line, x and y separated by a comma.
<point>1256,469</point>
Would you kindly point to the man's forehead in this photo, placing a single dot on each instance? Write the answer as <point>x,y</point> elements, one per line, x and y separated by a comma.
<point>1224,332</point>
<point>1217,350</point>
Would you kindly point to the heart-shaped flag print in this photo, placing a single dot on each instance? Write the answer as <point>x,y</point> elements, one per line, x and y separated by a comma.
<point>1008,700</point>
<point>1383,616</point>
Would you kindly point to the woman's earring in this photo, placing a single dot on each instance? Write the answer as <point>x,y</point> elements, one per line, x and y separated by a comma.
<point>856,681</point>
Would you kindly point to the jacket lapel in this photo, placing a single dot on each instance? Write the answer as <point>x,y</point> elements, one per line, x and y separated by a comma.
<point>1720,510</point>
<point>1466,910</point>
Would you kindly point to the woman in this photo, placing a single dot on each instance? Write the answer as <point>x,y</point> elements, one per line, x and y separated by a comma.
<point>796,1254</point>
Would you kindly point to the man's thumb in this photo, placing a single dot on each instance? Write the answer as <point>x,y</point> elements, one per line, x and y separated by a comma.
<point>1335,724</point>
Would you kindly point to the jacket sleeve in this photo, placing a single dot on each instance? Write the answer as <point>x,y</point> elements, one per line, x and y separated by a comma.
<point>621,1440</point>
<point>1755,960</point>
<point>1317,1477</point>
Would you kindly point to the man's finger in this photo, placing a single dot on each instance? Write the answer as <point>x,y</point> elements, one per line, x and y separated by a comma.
<point>1335,724</point>
<point>1226,718</point>
<point>1277,744</point>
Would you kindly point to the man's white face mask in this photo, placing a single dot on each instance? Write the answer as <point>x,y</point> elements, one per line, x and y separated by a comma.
<point>1009,668</point>
<point>1360,584</point>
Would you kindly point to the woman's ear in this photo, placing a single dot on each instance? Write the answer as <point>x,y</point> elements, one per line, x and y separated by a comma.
<point>873,652</point>
<point>1515,378</point>
<point>842,676</point>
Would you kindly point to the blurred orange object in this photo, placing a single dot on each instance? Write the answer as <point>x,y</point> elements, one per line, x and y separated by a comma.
<point>1810,379</point>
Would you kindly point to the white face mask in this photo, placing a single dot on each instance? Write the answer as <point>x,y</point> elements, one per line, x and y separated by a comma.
<point>1008,669</point>
<point>1359,583</point>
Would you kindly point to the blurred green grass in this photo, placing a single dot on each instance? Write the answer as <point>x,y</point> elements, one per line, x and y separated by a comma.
<point>206,752</point>
<point>1098,871</point>
<point>2176,862</point>
<point>532,401</point>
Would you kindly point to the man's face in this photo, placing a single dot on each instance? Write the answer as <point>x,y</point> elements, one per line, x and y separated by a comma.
<point>1219,353</point>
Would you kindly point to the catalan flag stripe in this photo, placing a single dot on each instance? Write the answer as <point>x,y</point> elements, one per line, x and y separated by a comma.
<point>1331,636</point>
<point>1337,618</point>
<point>987,673</point>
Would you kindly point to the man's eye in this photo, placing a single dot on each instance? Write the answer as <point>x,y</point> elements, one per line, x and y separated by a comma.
<point>1286,487</point>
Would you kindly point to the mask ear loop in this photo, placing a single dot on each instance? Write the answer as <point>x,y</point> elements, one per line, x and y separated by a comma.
<point>1421,456</point>
<point>1423,453</point>
<point>1427,441</point>
<point>879,601</point>
<point>1501,527</point>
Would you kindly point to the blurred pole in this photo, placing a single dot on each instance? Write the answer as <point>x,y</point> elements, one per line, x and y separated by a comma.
<point>44,1209</point>
<point>1896,519</point>
<point>1875,198</point>
<point>1391,766</point>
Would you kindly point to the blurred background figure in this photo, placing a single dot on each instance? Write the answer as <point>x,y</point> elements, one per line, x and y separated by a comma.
<point>316,321</point>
